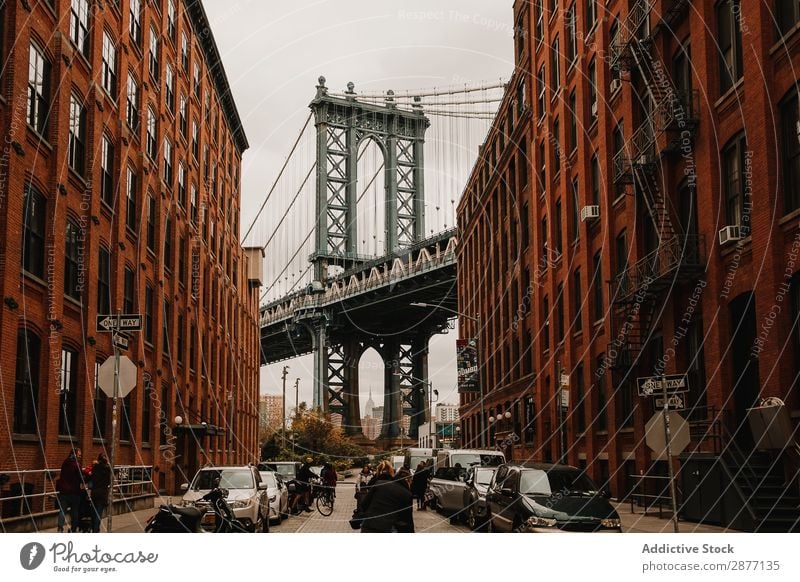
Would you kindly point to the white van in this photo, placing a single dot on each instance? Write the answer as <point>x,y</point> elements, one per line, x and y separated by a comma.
<point>416,455</point>
<point>466,458</point>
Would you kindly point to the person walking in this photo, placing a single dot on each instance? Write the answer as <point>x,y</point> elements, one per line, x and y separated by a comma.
<point>68,486</point>
<point>303,482</point>
<point>387,506</point>
<point>419,485</point>
<point>364,477</point>
<point>101,485</point>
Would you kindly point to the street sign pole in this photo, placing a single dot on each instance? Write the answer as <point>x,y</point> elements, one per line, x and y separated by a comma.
<point>668,450</point>
<point>113,429</point>
<point>560,404</point>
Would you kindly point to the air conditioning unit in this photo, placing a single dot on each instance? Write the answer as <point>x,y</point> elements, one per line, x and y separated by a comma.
<point>730,234</point>
<point>644,160</point>
<point>590,213</point>
<point>594,109</point>
<point>616,84</point>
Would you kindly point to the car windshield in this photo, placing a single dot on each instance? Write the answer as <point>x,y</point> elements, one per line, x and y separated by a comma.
<point>484,476</point>
<point>468,459</point>
<point>416,460</point>
<point>228,479</point>
<point>286,471</point>
<point>555,482</point>
<point>269,478</point>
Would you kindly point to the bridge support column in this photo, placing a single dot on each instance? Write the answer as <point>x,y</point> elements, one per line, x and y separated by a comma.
<point>392,396</point>
<point>320,400</point>
<point>351,421</point>
<point>420,392</point>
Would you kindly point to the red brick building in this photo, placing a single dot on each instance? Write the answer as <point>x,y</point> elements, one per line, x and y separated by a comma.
<point>594,239</point>
<point>120,191</point>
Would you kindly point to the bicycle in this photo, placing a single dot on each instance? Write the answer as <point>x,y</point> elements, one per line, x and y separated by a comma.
<point>325,500</point>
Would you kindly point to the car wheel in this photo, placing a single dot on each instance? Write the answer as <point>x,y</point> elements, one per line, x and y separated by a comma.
<point>265,524</point>
<point>472,520</point>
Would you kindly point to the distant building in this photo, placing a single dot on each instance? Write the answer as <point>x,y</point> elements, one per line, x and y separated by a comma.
<point>447,413</point>
<point>372,420</point>
<point>270,411</point>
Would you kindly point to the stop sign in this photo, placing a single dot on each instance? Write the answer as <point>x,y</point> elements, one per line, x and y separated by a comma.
<point>655,438</point>
<point>127,376</point>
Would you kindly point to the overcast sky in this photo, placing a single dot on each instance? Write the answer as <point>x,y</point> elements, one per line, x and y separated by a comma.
<point>274,52</point>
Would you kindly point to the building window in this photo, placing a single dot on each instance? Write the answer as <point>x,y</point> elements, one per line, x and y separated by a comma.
<point>573,122</point>
<point>147,402</point>
<point>132,113</point>
<point>592,75</point>
<point>541,91</point>
<point>601,417</point>
<point>172,29</point>
<point>682,73</point>
<point>556,147</point>
<point>729,40</point>
<point>38,89</point>
<point>151,222</point>
<point>542,167</point>
<point>168,244</point>
<point>183,121</point>
<point>539,29</point>
<point>79,26</point>
<point>99,429</point>
<point>26,385</point>
<point>597,287</point>
<point>125,419</point>
<point>182,185</point>
<point>73,261</point>
<point>152,132</point>
<point>104,282</point>
<point>790,152</point>
<point>148,314</point>
<point>621,249</point>
<point>195,141</point>
<point>169,83</point>
<point>77,135</point>
<point>184,52</point>
<point>128,291</point>
<point>180,344</point>
<point>560,313</point>
<point>109,65</point>
<point>193,202</point>
<point>546,323</point>
<point>67,393</point>
<point>571,34</point>
<point>182,260</point>
<point>107,172</point>
<point>522,100</point>
<point>136,21</point>
<point>131,218</point>
<point>192,347</point>
<point>590,15</point>
<point>555,70</point>
<point>165,335</point>
<point>153,60</point>
<point>787,14</point>
<point>595,180</point>
<point>196,78</point>
<point>576,210</point>
<point>613,33</point>
<point>167,163</point>
<point>577,300</point>
<point>733,169</point>
<point>34,226</point>
<point>580,398</point>
<point>558,238</point>
<point>543,229</point>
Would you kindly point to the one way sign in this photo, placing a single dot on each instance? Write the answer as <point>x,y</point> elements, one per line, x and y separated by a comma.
<point>129,322</point>
<point>650,385</point>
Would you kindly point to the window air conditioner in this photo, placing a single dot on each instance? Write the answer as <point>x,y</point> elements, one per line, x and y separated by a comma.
<point>730,234</point>
<point>590,213</point>
<point>615,85</point>
<point>594,109</point>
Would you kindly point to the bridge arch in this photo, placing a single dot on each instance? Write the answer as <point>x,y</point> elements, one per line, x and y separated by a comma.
<point>372,185</point>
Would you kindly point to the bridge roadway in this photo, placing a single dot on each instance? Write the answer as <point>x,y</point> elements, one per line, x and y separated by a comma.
<point>372,299</point>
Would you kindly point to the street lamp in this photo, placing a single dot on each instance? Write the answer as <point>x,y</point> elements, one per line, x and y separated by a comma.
<point>477,320</point>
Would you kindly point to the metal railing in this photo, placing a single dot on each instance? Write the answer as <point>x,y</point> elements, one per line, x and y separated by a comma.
<point>629,28</point>
<point>653,491</point>
<point>26,492</point>
<point>679,251</point>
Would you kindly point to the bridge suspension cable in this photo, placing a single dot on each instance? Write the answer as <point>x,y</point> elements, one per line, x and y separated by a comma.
<point>275,184</point>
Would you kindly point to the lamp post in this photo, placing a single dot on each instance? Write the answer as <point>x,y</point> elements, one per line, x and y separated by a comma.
<point>296,405</point>
<point>477,320</point>
<point>283,403</point>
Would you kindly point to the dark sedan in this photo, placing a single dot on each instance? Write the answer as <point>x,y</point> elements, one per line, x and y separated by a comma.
<point>477,484</point>
<point>541,497</point>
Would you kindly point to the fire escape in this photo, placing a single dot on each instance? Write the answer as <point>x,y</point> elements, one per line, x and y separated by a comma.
<point>639,291</point>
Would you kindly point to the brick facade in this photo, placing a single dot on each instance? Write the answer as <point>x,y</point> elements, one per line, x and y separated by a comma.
<point>521,243</point>
<point>202,356</point>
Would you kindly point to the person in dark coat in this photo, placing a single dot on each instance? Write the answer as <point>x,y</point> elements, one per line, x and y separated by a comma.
<point>69,485</point>
<point>388,505</point>
<point>101,485</point>
<point>419,484</point>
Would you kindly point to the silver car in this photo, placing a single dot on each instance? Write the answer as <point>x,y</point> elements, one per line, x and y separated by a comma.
<point>278,495</point>
<point>247,496</point>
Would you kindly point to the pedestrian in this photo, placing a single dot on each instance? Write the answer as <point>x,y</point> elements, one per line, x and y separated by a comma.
<point>68,486</point>
<point>329,478</point>
<point>388,507</point>
<point>303,481</point>
<point>364,478</point>
<point>419,485</point>
<point>101,485</point>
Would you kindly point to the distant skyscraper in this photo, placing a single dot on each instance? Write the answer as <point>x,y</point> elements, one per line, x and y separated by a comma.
<point>447,413</point>
<point>370,405</point>
<point>270,411</point>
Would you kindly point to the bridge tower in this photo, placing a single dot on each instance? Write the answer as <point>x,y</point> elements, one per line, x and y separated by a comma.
<point>342,125</point>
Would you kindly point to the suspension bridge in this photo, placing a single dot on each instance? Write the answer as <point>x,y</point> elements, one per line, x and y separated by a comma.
<point>364,254</point>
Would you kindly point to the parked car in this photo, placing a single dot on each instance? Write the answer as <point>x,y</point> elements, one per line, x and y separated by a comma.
<point>246,494</point>
<point>466,458</point>
<point>286,469</point>
<point>446,489</point>
<point>542,497</point>
<point>477,484</point>
<point>413,457</point>
<point>277,494</point>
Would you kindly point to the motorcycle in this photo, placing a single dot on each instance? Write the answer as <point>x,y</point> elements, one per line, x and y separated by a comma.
<point>175,519</point>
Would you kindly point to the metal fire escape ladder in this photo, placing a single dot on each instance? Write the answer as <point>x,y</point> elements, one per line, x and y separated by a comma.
<point>635,290</point>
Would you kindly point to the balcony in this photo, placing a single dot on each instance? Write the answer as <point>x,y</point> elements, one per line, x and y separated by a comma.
<point>679,257</point>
